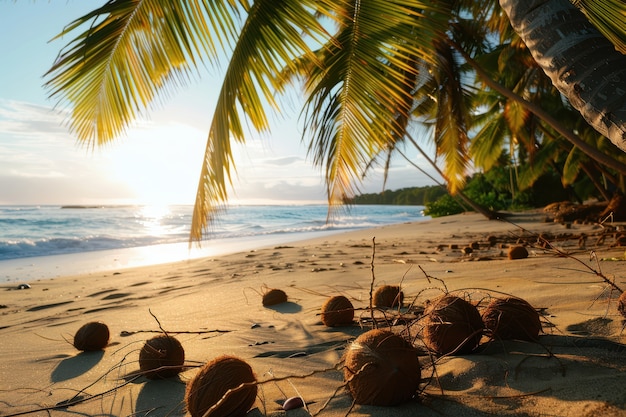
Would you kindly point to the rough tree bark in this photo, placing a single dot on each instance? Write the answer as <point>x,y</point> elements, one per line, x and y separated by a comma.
<point>582,64</point>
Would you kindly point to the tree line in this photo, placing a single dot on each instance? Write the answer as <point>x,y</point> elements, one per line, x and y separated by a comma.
<point>410,196</point>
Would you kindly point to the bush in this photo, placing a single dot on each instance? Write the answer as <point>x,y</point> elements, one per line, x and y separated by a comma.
<point>444,206</point>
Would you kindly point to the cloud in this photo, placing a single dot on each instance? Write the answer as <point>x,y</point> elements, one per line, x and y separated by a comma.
<point>156,162</point>
<point>57,190</point>
<point>40,162</point>
<point>279,191</point>
<point>284,161</point>
<point>30,121</point>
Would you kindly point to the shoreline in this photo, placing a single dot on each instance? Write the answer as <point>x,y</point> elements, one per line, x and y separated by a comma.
<point>24,270</point>
<point>54,255</point>
<point>213,307</point>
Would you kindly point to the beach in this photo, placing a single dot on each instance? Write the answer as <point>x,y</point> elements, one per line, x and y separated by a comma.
<point>212,305</point>
<point>52,241</point>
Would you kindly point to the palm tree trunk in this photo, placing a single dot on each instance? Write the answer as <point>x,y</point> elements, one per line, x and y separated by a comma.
<point>574,139</point>
<point>582,64</point>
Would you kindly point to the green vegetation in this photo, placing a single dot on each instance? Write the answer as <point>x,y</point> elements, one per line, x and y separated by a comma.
<point>413,196</point>
<point>491,190</point>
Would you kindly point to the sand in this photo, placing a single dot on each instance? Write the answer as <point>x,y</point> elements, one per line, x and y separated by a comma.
<point>213,307</point>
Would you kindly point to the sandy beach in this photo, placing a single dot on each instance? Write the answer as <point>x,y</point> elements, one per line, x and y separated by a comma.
<point>213,307</point>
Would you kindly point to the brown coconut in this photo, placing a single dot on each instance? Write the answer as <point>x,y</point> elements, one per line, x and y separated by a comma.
<point>92,336</point>
<point>226,380</point>
<point>381,368</point>
<point>337,311</point>
<point>451,325</point>
<point>621,304</point>
<point>161,357</point>
<point>517,252</point>
<point>274,296</point>
<point>467,250</point>
<point>512,319</point>
<point>388,296</point>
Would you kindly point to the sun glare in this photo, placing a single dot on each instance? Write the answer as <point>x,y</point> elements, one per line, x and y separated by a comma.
<point>152,216</point>
<point>161,164</point>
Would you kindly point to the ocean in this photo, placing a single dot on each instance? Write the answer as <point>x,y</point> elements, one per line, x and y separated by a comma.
<point>47,241</point>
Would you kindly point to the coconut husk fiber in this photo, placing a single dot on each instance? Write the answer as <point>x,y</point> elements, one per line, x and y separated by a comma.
<point>274,296</point>
<point>161,357</point>
<point>517,252</point>
<point>512,318</point>
<point>337,311</point>
<point>381,368</point>
<point>388,296</point>
<point>451,325</point>
<point>224,387</point>
<point>621,304</point>
<point>92,336</point>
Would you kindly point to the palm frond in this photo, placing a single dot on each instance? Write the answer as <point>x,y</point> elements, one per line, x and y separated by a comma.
<point>452,122</point>
<point>355,96</point>
<point>128,52</point>
<point>572,166</point>
<point>270,39</point>
<point>609,17</point>
<point>530,172</point>
<point>487,144</point>
<point>516,115</point>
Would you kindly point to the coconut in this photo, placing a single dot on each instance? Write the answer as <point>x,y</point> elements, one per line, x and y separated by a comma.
<point>92,336</point>
<point>512,319</point>
<point>621,304</point>
<point>337,311</point>
<point>388,296</point>
<point>451,325</point>
<point>381,368</point>
<point>161,357</point>
<point>274,296</point>
<point>224,387</point>
<point>518,252</point>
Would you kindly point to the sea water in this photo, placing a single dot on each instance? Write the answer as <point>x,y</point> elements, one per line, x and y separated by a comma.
<point>46,241</point>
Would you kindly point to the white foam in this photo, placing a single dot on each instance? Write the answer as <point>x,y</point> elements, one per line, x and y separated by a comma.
<point>43,267</point>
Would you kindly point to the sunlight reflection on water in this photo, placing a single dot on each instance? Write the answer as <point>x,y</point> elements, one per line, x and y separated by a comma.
<point>42,267</point>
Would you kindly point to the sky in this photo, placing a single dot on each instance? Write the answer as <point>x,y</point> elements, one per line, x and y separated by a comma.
<point>158,159</point>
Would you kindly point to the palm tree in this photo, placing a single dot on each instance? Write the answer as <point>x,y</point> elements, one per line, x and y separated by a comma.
<point>583,64</point>
<point>359,90</point>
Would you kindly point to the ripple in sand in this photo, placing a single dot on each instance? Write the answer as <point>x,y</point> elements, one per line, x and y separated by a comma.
<point>46,306</point>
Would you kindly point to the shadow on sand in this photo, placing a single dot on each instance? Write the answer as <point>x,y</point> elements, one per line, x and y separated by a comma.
<point>161,397</point>
<point>76,365</point>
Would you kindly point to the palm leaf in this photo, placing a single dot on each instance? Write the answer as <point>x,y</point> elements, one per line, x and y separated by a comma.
<point>354,96</point>
<point>270,38</point>
<point>487,144</point>
<point>609,17</point>
<point>128,52</point>
<point>530,172</point>
<point>572,166</point>
<point>452,122</point>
